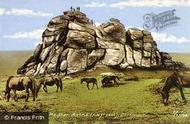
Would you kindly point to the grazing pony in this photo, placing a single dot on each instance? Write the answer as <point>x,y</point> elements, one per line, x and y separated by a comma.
<point>109,81</point>
<point>89,80</point>
<point>173,80</point>
<point>49,81</point>
<point>19,83</point>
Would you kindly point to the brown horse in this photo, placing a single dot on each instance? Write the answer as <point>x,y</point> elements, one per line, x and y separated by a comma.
<point>178,80</point>
<point>89,80</point>
<point>19,83</point>
<point>109,81</point>
<point>49,81</point>
<point>184,77</point>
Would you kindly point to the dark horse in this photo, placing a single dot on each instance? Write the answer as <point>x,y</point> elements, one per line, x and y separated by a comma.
<point>19,83</point>
<point>88,81</point>
<point>109,81</point>
<point>172,81</point>
<point>49,81</point>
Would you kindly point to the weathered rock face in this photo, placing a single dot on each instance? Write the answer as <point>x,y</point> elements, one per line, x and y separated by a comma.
<point>112,31</point>
<point>72,43</point>
<point>77,60</point>
<point>143,48</point>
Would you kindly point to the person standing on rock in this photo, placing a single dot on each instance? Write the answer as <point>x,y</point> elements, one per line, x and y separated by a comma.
<point>78,8</point>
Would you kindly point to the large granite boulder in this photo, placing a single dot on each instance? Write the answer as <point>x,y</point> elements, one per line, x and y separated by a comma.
<point>113,31</point>
<point>37,52</point>
<point>113,57</point>
<point>89,28</point>
<point>76,60</point>
<point>115,52</point>
<point>71,43</point>
<point>76,16</point>
<point>134,34</point>
<point>129,55</point>
<point>94,56</point>
<point>137,57</point>
<point>77,39</point>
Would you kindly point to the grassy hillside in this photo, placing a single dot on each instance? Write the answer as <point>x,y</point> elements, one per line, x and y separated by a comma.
<point>11,60</point>
<point>131,102</point>
<point>182,57</point>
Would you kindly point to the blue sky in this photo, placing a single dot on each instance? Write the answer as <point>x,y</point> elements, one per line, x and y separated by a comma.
<point>23,21</point>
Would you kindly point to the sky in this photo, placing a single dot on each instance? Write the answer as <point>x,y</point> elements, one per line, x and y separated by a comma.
<point>23,21</point>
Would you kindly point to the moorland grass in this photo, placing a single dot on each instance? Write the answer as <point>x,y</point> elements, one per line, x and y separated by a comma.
<point>131,102</point>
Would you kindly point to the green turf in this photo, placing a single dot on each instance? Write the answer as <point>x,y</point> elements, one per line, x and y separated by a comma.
<point>11,60</point>
<point>131,102</point>
<point>181,57</point>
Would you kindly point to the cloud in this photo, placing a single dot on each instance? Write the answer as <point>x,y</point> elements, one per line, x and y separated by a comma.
<point>129,26</point>
<point>140,3</point>
<point>95,4</point>
<point>164,37</point>
<point>2,11</point>
<point>35,34</point>
<point>160,37</point>
<point>22,12</point>
<point>167,38</point>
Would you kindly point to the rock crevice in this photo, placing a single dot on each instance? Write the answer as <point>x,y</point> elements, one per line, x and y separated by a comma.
<point>72,43</point>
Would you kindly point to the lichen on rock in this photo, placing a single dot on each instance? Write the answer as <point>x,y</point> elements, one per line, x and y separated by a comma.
<point>71,43</point>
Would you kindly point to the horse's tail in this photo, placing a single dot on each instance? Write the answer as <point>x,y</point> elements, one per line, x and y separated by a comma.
<point>33,83</point>
<point>34,88</point>
<point>61,84</point>
<point>7,84</point>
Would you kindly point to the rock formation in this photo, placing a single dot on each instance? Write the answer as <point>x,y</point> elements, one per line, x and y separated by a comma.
<point>72,43</point>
